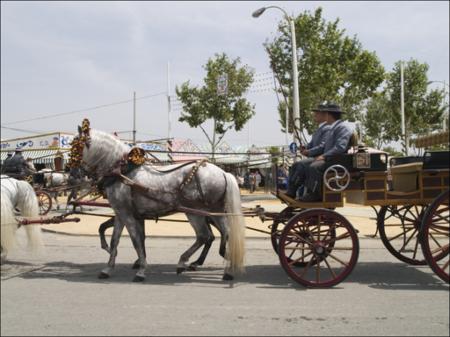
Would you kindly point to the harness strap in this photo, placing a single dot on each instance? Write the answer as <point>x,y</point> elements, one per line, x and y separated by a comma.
<point>188,178</point>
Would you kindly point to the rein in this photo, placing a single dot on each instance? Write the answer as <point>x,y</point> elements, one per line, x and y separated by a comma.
<point>131,160</point>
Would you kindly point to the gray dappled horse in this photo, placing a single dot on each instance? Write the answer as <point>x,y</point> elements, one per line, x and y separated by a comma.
<point>210,191</point>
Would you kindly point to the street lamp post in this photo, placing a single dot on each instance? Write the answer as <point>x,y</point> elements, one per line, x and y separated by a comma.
<point>295,95</point>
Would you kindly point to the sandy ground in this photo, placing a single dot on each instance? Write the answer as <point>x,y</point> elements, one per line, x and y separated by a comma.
<point>362,218</point>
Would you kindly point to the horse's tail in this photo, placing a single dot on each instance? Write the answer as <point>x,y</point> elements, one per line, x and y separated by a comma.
<point>8,224</point>
<point>29,207</point>
<point>236,223</point>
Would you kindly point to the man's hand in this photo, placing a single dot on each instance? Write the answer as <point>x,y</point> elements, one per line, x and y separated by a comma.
<point>321,157</point>
<point>304,151</point>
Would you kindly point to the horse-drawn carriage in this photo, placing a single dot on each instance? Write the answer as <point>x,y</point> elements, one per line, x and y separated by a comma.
<point>318,247</point>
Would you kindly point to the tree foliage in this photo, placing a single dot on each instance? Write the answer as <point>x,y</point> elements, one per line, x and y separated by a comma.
<point>423,109</point>
<point>332,67</point>
<point>204,103</point>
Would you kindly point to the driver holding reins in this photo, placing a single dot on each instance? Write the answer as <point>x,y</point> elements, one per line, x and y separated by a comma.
<point>337,142</point>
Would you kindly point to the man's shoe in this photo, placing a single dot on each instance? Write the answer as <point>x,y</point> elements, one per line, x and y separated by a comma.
<point>310,197</point>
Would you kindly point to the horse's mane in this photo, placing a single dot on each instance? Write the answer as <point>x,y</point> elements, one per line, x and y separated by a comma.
<point>104,151</point>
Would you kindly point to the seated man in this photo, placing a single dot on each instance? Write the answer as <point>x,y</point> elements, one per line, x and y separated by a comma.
<point>17,166</point>
<point>336,143</point>
<point>6,161</point>
<point>313,148</point>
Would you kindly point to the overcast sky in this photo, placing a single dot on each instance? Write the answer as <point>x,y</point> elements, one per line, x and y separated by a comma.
<point>59,57</point>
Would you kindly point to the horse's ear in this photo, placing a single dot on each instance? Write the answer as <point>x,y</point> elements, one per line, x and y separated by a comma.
<point>79,130</point>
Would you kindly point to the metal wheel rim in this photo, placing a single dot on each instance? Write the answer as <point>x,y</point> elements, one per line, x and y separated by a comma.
<point>435,236</point>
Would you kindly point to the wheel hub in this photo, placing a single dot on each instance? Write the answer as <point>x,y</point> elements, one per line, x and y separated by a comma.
<point>319,248</point>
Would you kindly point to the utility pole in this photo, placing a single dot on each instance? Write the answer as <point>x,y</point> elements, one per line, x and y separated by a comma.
<point>169,107</point>
<point>169,110</point>
<point>446,113</point>
<point>402,111</point>
<point>134,117</point>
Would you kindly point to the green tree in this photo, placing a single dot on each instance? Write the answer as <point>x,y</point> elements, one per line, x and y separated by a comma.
<point>423,109</point>
<point>377,122</point>
<point>332,67</point>
<point>204,103</point>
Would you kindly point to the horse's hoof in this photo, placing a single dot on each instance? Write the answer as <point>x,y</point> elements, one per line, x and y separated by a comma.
<point>135,265</point>
<point>103,275</point>
<point>227,277</point>
<point>192,267</point>
<point>138,278</point>
<point>180,270</point>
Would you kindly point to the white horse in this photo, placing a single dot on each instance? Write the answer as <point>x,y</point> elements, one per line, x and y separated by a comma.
<point>54,179</point>
<point>207,189</point>
<point>16,194</point>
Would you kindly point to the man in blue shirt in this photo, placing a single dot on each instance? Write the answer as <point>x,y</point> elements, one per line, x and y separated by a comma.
<point>337,142</point>
<point>297,171</point>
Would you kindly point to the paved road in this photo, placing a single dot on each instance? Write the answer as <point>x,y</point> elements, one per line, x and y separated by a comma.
<point>58,293</point>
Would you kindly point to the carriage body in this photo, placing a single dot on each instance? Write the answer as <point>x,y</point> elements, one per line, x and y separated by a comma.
<point>402,191</point>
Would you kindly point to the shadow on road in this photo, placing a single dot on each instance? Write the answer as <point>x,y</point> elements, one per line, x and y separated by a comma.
<point>378,275</point>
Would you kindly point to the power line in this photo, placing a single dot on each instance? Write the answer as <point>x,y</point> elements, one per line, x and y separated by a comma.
<point>84,110</point>
<point>22,130</point>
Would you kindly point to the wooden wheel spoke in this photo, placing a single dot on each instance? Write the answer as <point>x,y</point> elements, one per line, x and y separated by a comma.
<point>337,238</point>
<point>399,225</point>
<point>440,217</point>
<point>306,268</point>
<point>339,248</point>
<point>434,240</point>
<point>318,271</point>
<point>337,259</point>
<point>329,268</point>
<point>303,240</point>
<point>445,266</point>
<point>293,250</point>
<point>401,234</point>
<point>416,247</point>
<point>300,259</point>
<point>408,240</point>
<point>440,249</point>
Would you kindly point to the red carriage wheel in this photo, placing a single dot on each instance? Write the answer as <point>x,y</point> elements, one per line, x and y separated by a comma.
<point>278,225</point>
<point>435,236</point>
<point>325,244</point>
<point>399,228</point>
<point>45,202</point>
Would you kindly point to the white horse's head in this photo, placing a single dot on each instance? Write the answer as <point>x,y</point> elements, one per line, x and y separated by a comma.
<point>30,166</point>
<point>100,151</point>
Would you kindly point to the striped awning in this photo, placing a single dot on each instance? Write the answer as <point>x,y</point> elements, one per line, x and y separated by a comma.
<point>39,156</point>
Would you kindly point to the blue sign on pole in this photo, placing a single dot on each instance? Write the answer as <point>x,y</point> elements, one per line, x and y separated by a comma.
<point>293,147</point>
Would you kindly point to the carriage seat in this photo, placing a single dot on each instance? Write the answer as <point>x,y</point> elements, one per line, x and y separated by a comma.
<point>359,158</point>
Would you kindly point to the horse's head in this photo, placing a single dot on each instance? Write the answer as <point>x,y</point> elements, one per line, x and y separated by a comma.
<point>30,166</point>
<point>95,151</point>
